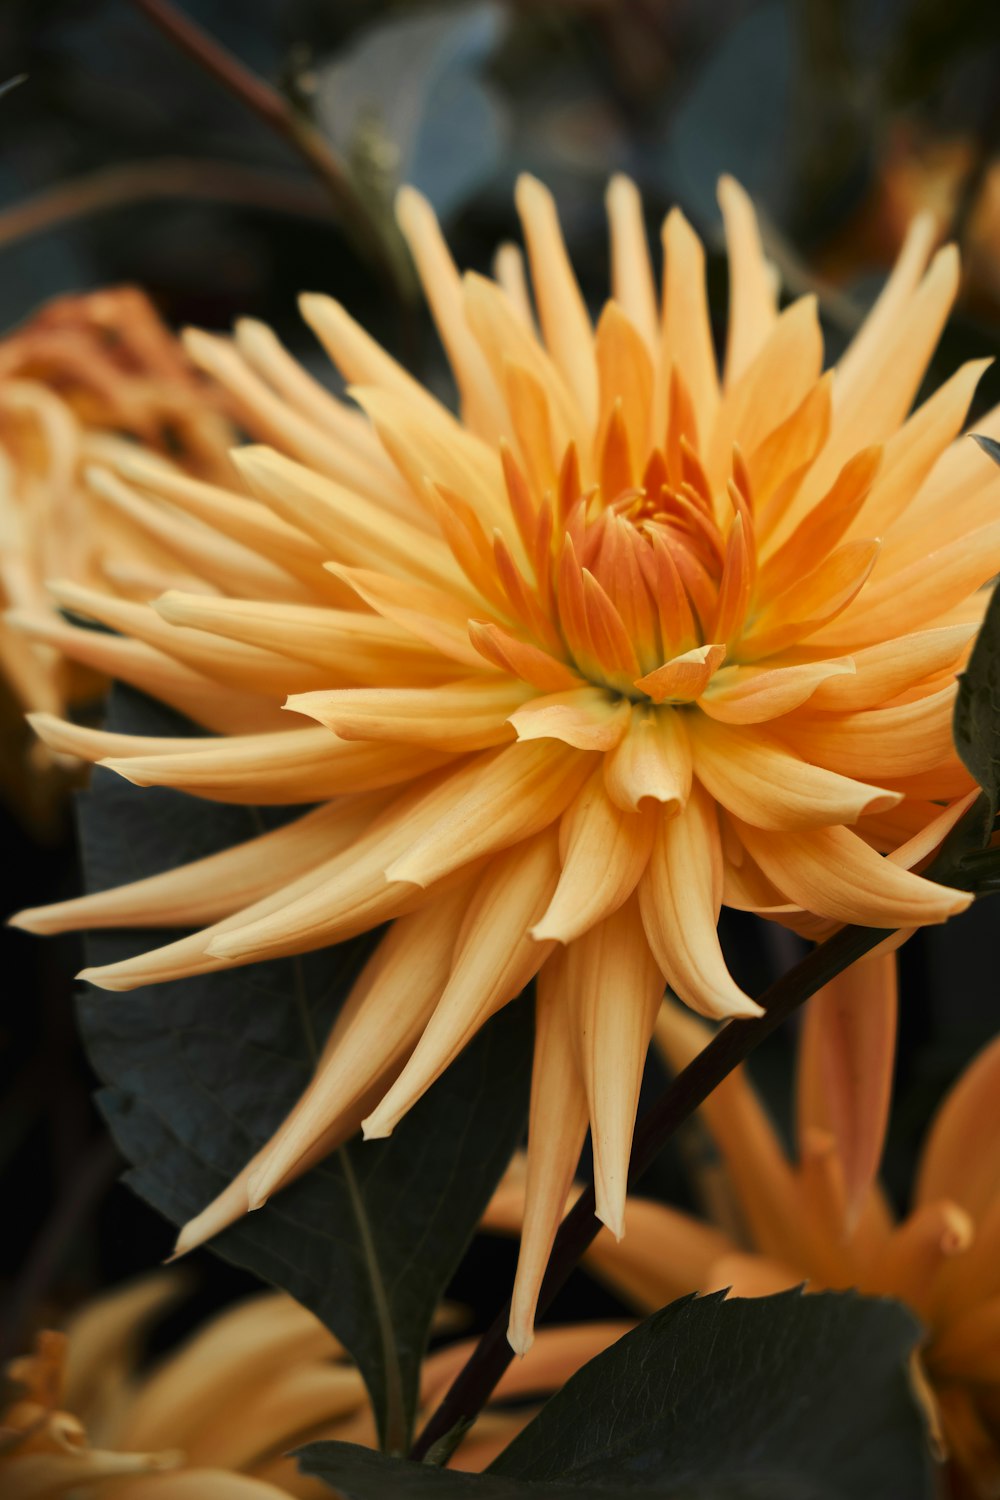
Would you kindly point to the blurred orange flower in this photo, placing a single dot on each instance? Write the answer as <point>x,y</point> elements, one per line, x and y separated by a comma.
<point>820,1217</point>
<point>215,1419</point>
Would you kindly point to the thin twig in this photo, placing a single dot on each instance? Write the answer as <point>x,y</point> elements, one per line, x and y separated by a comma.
<point>167,177</point>
<point>477,1380</point>
<point>271,106</point>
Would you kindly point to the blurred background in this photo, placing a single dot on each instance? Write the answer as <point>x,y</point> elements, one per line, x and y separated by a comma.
<point>125,161</point>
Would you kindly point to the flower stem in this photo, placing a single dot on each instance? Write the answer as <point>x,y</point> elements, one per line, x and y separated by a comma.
<point>274,109</point>
<point>476,1381</point>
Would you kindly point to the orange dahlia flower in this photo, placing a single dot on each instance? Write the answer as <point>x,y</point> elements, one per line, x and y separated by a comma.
<point>627,640</point>
<point>216,1418</point>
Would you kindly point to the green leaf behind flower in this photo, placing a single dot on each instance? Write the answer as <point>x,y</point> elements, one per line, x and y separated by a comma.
<point>976,724</point>
<point>198,1074</point>
<point>775,1398</point>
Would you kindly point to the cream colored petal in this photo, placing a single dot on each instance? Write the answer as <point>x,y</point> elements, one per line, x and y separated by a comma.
<point>892,667</point>
<point>495,957</point>
<point>339,897</point>
<point>104,1338</point>
<point>686,328</point>
<point>903,740</point>
<point>680,895</point>
<point>854,366</point>
<point>604,851</point>
<point>40,1476</point>
<point>434,617</point>
<point>457,716</point>
<point>752,695</point>
<point>234,514</point>
<point>615,988</point>
<point>652,763</point>
<point>774,385</point>
<point>912,451</point>
<point>482,408</point>
<point>215,887</point>
<point>524,789</point>
<point>511,274</point>
<point>389,1006</point>
<point>752,295</point>
<point>873,396</point>
<point>562,311</point>
<point>916,596</point>
<point>444,452</point>
<point>632,283</point>
<point>557,1126</point>
<point>353,647</point>
<point>218,708</point>
<point>834,873</point>
<point>587,717</point>
<point>754,776</point>
<point>248,669</point>
<point>271,419</point>
<point>348,527</point>
<point>209,552</point>
<point>303,766</point>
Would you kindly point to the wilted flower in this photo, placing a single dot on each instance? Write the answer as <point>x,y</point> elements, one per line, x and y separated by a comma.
<point>216,1419</point>
<point>821,1217</point>
<point>627,641</point>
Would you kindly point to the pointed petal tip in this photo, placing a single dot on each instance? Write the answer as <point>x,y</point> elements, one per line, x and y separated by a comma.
<point>609,1207</point>
<point>376,1128</point>
<point>520,1336</point>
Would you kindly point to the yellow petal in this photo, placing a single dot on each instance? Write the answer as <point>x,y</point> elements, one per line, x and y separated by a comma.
<point>632,283</point>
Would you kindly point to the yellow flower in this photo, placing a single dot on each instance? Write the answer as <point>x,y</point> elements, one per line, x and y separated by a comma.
<point>821,1218</point>
<point>626,641</point>
<point>215,1419</point>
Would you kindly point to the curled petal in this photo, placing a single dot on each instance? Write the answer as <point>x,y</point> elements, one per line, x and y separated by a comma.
<point>604,850</point>
<point>756,777</point>
<point>680,895</point>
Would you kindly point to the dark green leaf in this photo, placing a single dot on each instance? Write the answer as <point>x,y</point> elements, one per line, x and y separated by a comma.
<point>200,1072</point>
<point>989,446</point>
<point>976,725</point>
<point>776,1398</point>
